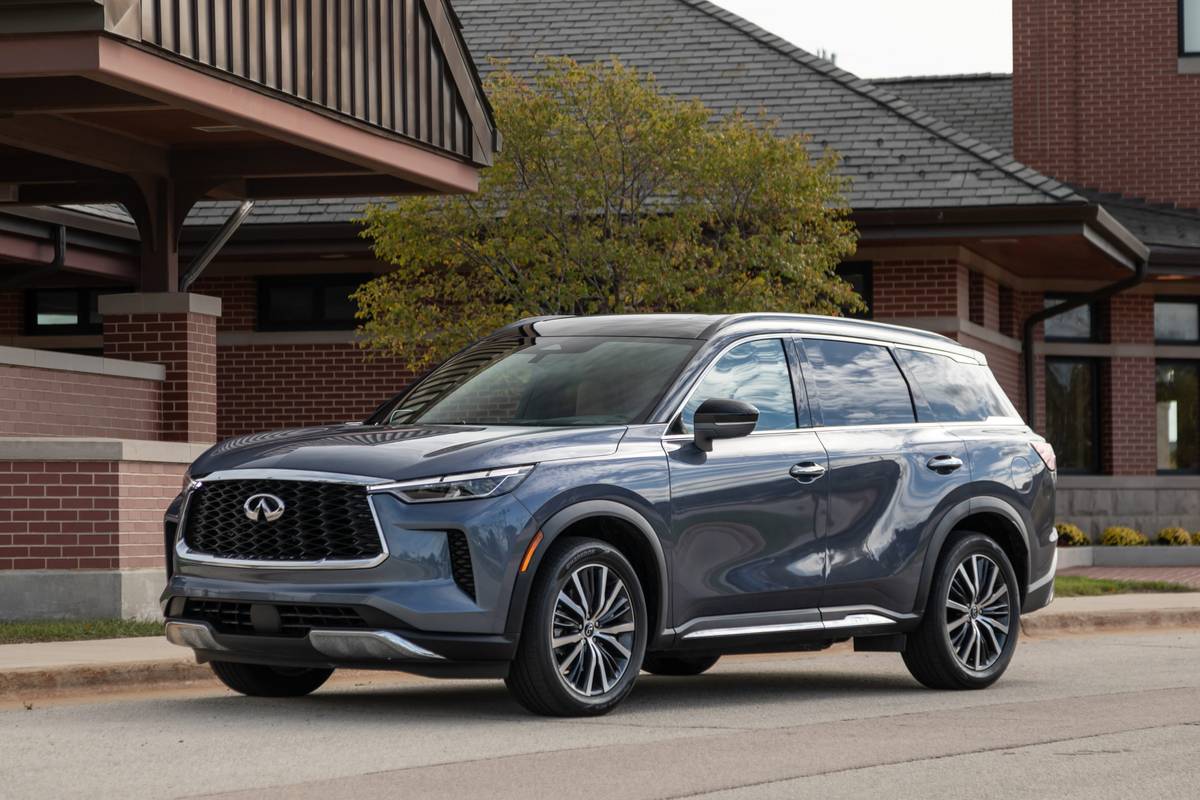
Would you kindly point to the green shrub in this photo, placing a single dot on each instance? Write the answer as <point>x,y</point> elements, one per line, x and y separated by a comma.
<point>1196,538</point>
<point>1123,537</point>
<point>1175,537</point>
<point>1072,535</point>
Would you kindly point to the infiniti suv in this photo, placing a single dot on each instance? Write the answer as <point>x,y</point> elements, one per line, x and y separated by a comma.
<point>571,501</point>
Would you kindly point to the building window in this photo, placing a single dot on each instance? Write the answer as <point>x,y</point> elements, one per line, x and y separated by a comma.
<point>1178,407</point>
<point>1073,413</point>
<point>858,275</point>
<point>64,312</point>
<point>308,302</point>
<point>1177,321</point>
<point>1072,326</point>
<point>1189,27</point>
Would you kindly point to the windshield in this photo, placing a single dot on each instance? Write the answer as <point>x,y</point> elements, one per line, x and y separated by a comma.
<point>549,381</point>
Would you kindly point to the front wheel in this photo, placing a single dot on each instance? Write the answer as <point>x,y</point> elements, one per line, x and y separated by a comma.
<point>969,632</point>
<point>259,680</point>
<point>585,632</point>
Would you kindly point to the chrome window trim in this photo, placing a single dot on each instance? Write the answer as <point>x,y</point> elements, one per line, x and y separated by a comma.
<point>189,556</point>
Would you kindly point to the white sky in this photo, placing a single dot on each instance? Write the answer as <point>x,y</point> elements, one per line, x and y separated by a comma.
<point>891,38</point>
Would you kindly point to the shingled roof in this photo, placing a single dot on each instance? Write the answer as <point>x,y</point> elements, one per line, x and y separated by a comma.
<point>979,104</point>
<point>898,156</point>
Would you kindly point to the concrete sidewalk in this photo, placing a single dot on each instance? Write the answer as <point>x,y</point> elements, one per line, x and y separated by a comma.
<point>30,670</point>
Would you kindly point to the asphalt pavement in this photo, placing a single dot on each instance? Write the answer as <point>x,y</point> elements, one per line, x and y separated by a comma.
<point>1078,716</point>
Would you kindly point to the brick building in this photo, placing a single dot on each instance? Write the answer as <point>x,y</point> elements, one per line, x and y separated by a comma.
<point>980,201</point>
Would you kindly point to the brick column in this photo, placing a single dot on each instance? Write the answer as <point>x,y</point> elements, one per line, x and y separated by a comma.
<point>1129,421</point>
<point>178,331</point>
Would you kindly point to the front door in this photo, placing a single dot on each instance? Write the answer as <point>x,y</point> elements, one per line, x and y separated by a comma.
<point>747,518</point>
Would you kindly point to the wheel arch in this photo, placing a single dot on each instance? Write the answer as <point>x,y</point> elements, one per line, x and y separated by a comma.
<point>992,516</point>
<point>619,525</point>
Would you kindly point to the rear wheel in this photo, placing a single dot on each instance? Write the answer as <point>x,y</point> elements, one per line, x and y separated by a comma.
<point>678,665</point>
<point>969,632</point>
<point>259,680</point>
<point>584,635</point>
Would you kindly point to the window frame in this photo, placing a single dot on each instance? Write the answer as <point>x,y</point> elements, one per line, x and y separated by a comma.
<point>316,320</point>
<point>1183,51</point>
<point>1180,300</point>
<point>867,270</point>
<point>83,311</point>
<point>1093,332</point>
<point>1191,362</point>
<point>1097,426</point>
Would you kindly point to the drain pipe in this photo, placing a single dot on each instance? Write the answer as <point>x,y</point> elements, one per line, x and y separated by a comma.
<point>1140,273</point>
<point>222,237</point>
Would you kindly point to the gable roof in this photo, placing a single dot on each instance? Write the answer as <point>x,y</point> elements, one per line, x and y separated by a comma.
<point>978,104</point>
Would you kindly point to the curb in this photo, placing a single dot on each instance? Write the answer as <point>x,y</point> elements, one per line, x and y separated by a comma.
<point>1095,621</point>
<point>24,683</point>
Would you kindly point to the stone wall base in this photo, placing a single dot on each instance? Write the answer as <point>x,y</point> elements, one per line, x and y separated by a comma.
<point>1147,505</point>
<point>81,594</point>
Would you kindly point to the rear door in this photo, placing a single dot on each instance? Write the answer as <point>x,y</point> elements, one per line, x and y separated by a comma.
<point>747,517</point>
<point>891,476</point>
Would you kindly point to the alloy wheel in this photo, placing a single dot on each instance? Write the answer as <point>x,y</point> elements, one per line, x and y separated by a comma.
<point>978,612</point>
<point>593,631</point>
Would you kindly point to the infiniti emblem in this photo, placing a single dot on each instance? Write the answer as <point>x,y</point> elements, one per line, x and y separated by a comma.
<point>264,508</point>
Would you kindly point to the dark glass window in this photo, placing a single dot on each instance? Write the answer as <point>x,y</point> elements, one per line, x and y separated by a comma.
<point>548,381</point>
<point>858,275</point>
<point>1073,413</point>
<point>1071,326</point>
<point>64,312</point>
<point>858,384</point>
<point>954,391</point>
<point>756,373</point>
<point>310,302</point>
<point>1177,321</point>
<point>1178,406</point>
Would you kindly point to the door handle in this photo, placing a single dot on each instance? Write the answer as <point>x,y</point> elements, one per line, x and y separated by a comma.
<point>807,472</point>
<point>944,465</point>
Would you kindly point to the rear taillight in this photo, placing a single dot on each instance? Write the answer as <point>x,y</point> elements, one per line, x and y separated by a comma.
<point>1046,451</point>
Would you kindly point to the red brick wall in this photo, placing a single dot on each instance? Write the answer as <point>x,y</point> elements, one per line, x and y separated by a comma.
<point>985,301</point>
<point>239,300</point>
<point>44,402</point>
<point>186,345</point>
<point>920,288</point>
<point>1098,99</point>
<point>264,387</point>
<point>83,514</point>
<point>12,313</point>
<point>1128,418</point>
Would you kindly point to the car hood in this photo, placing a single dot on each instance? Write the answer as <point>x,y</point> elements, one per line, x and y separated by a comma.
<point>406,451</point>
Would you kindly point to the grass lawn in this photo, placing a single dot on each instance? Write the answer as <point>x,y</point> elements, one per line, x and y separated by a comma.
<point>68,630</point>
<point>1079,586</point>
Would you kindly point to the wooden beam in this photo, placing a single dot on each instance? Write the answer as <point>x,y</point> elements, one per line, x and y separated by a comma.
<point>83,144</point>
<point>346,186</point>
<point>77,192</point>
<point>238,161</point>
<point>31,168</point>
<point>68,96</point>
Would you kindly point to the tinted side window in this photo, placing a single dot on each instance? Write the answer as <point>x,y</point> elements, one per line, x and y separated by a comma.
<point>756,373</point>
<point>954,391</point>
<point>858,384</point>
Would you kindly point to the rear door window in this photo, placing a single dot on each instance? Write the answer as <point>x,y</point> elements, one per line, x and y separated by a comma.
<point>954,391</point>
<point>858,384</point>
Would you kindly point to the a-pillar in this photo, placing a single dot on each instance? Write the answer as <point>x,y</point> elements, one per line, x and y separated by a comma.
<point>179,331</point>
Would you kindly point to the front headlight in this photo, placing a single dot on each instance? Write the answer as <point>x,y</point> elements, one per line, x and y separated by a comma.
<point>465,486</point>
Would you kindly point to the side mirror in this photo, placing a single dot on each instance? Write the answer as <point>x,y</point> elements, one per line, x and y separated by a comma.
<point>723,419</point>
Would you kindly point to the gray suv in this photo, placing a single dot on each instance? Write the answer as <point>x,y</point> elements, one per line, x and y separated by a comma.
<point>571,501</point>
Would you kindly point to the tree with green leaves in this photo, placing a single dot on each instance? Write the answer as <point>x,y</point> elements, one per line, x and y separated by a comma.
<point>609,197</point>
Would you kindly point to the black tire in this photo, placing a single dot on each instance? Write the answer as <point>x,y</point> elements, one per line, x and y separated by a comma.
<point>534,678</point>
<point>933,653</point>
<point>258,680</point>
<point>678,665</point>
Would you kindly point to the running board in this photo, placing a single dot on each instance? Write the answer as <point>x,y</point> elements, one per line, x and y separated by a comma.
<point>807,620</point>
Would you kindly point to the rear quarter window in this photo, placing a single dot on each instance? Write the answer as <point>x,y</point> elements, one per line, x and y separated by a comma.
<point>858,384</point>
<point>954,391</point>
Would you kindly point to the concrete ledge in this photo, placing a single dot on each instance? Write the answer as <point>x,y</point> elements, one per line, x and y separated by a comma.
<point>1128,482</point>
<point>160,303</point>
<point>1153,556</point>
<point>950,326</point>
<point>81,594</point>
<point>49,448</point>
<point>69,362</point>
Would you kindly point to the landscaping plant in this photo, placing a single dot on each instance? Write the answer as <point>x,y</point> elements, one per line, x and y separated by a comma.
<point>1175,537</point>
<point>1123,537</point>
<point>609,197</point>
<point>1071,535</point>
